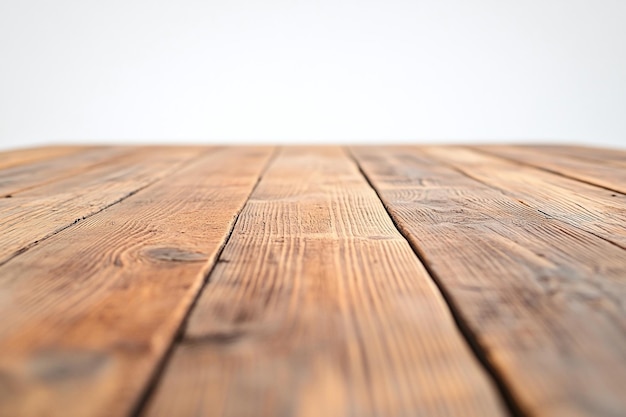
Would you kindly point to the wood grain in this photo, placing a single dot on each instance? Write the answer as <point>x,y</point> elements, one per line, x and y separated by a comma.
<point>26,156</point>
<point>38,213</point>
<point>319,307</point>
<point>593,172</point>
<point>595,210</point>
<point>609,156</point>
<point>24,177</point>
<point>88,314</point>
<point>544,299</point>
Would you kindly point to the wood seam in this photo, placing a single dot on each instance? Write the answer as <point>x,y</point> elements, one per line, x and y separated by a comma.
<point>59,151</point>
<point>159,369</point>
<point>546,215</point>
<point>61,177</point>
<point>466,333</point>
<point>539,167</point>
<point>119,200</point>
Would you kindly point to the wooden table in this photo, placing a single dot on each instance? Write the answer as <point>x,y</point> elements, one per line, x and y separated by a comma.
<point>313,281</point>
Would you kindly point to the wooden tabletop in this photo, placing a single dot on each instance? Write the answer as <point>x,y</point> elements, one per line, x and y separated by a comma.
<point>313,281</point>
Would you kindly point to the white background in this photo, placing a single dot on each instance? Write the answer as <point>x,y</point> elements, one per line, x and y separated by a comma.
<point>312,71</point>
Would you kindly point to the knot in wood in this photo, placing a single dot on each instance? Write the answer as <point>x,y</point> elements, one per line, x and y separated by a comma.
<point>170,254</point>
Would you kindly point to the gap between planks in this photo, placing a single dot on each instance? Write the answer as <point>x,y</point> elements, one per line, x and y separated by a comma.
<point>180,165</point>
<point>464,329</point>
<point>561,376</point>
<point>149,335</point>
<point>196,336</point>
<point>595,210</point>
<point>160,367</point>
<point>556,167</point>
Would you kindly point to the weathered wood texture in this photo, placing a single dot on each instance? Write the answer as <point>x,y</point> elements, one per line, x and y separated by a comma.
<point>543,298</point>
<point>27,176</point>
<point>500,290</point>
<point>594,172</point>
<point>596,210</point>
<point>88,314</point>
<point>319,307</point>
<point>34,214</point>
<point>17,157</point>
<point>616,157</point>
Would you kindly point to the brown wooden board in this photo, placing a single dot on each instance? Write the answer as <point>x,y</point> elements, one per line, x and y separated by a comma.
<point>593,209</point>
<point>35,214</point>
<point>319,307</point>
<point>598,155</point>
<point>593,172</point>
<point>542,299</point>
<point>88,314</point>
<point>12,158</point>
<point>41,173</point>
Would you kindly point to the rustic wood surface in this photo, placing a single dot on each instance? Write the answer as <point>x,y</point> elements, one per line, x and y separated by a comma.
<point>89,313</point>
<point>24,157</point>
<point>570,164</point>
<point>317,288</point>
<point>591,208</point>
<point>313,281</point>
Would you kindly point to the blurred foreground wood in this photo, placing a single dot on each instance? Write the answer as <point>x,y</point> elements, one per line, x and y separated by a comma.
<point>313,281</point>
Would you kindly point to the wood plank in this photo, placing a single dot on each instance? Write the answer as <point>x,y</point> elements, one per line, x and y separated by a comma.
<point>593,172</point>
<point>24,177</point>
<point>319,307</point>
<point>602,155</point>
<point>586,207</point>
<point>88,314</point>
<point>544,300</point>
<point>12,158</point>
<point>38,213</point>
